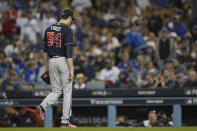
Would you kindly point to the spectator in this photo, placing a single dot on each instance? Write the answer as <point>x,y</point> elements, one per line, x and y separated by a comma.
<point>150,53</point>
<point>111,41</point>
<point>3,5</point>
<point>80,84</point>
<point>99,59</point>
<point>140,65</point>
<point>122,7</point>
<point>162,117</point>
<point>179,68</point>
<point>47,20</point>
<point>184,57</point>
<point>9,87</point>
<point>6,66</point>
<point>165,49</point>
<point>194,31</point>
<point>159,82</point>
<point>31,72</point>
<point>192,82</point>
<point>122,121</point>
<point>179,27</point>
<point>77,32</point>
<point>149,81</point>
<point>29,27</point>
<point>122,80</point>
<point>96,39</point>
<point>180,81</point>
<point>168,64</point>
<point>132,73</point>
<point>24,117</point>
<point>115,23</point>
<point>113,56</point>
<point>10,83</point>
<point>78,65</point>
<point>171,83</point>
<point>166,75</point>
<point>193,55</point>
<point>2,65</point>
<point>8,24</point>
<point>135,39</point>
<point>125,60</point>
<point>29,117</point>
<point>110,14</point>
<point>30,87</point>
<point>155,22</point>
<point>131,83</point>
<point>9,49</point>
<point>143,3</point>
<point>150,67</point>
<point>109,74</point>
<point>80,5</point>
<point>160,3</point>
<point>89,69</point>
<point>98,20</point>
<point>152,120</point>
<point>8,117</point>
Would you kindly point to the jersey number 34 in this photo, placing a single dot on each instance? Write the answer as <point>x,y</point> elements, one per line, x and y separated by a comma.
<point>54,39</point>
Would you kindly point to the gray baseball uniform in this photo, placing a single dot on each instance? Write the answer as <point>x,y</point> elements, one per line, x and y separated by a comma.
<point>58,45</point>
<point>59,73</point>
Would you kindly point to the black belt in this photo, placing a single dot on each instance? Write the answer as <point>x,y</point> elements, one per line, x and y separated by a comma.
<point>55,56</point>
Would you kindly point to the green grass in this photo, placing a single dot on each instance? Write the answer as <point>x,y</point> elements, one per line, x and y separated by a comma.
<point>104,129</point>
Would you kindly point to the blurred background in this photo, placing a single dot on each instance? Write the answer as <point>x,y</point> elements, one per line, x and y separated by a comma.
<point>135,62</point>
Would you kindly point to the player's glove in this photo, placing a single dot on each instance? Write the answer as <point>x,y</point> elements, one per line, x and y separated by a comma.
<point>46,77</point>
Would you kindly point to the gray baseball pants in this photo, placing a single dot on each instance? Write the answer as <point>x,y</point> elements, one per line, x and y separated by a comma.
<point>59,74</point>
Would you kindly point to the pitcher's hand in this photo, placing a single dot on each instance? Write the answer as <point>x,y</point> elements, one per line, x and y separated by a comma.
<point>71,76</point>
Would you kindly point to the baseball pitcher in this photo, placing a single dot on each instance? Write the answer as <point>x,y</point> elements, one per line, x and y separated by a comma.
<point>58,42</point>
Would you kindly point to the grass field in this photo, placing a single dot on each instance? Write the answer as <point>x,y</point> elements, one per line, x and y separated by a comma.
<point>104,129</point>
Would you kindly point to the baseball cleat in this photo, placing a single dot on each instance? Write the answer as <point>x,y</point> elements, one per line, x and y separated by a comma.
<point>68,125</point>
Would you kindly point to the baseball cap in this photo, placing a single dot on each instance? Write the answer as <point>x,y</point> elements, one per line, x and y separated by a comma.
<point>151,44</point>
<point>180,75</point>
<point>66,13</point>
<point>173,35</point>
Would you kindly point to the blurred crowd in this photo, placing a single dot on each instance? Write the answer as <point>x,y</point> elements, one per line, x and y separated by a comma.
<point>154,119</point>
<point>29,117</point>
<point>122,43</point>
<point>20,117</point>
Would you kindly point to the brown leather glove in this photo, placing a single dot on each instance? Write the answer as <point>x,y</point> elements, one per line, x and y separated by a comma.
<point>45,77</point>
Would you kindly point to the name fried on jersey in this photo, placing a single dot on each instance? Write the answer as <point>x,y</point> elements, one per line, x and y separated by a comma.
<point>57,39</point>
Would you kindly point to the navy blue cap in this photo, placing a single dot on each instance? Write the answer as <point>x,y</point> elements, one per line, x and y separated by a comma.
<point>66,13</point>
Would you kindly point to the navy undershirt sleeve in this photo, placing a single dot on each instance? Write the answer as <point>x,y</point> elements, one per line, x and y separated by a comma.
<point>68,43</point>
<point>69,51</point>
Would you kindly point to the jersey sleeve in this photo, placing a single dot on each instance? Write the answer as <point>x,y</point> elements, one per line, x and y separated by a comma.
<point>68,37</point>
<point>68,43</point>
<point>45,42</point>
